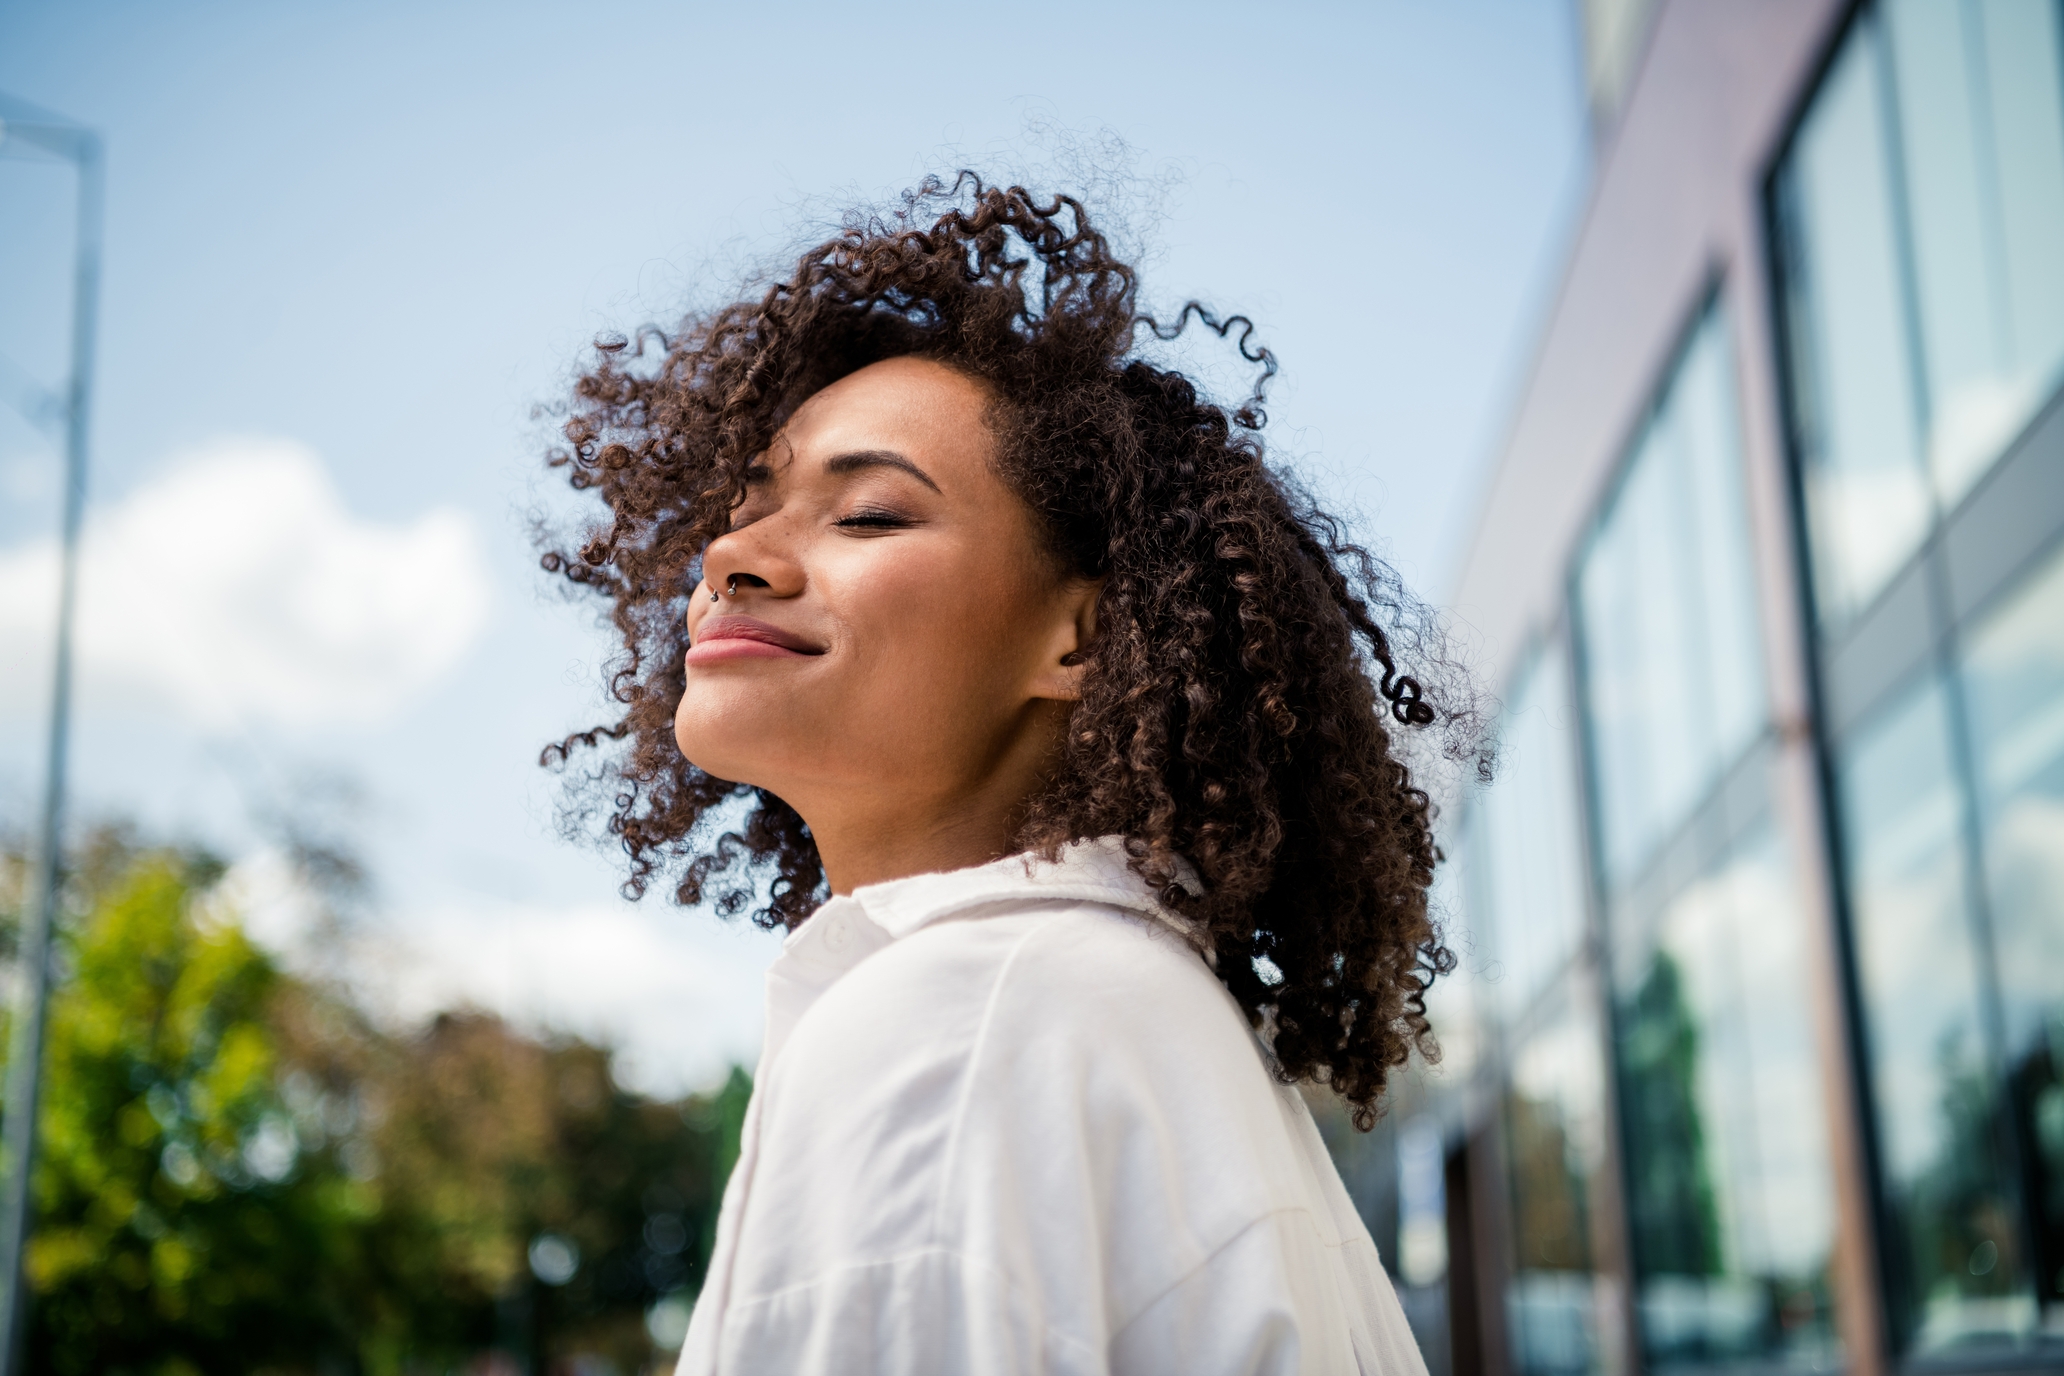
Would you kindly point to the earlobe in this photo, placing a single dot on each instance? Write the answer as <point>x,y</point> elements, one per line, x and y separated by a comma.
<point>1062,682</point>
<point>1061,679</point>
<point>1069,679</point>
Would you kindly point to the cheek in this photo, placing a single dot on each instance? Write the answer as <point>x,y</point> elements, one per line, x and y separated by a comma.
<point>935,624</point>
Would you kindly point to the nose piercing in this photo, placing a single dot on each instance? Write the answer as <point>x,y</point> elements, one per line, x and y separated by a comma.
<point>713,594</point>
<point>731,588</point>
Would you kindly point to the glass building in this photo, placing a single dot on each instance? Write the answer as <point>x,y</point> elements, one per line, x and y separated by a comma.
<point>1753,1064</point>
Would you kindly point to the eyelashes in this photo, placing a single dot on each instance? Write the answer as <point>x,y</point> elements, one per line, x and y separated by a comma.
<point>873,520</point>
<point>866,519</point>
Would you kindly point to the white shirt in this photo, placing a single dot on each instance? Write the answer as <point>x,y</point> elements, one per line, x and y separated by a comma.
<point>1007,1120</point>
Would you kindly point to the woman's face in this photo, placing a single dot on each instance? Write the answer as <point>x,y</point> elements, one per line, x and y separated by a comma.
<point>887,641</point>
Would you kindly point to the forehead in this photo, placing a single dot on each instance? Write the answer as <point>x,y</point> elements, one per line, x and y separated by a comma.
<point>912,405</point>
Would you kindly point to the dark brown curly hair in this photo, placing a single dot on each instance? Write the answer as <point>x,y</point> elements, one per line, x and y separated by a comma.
<point>1243,689</point>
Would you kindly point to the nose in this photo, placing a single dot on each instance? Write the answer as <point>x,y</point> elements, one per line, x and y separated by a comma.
<point>752,560</point>
<point>733,583</point>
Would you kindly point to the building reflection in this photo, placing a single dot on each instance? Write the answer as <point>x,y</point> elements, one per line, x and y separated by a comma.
<point>1558,1310</point>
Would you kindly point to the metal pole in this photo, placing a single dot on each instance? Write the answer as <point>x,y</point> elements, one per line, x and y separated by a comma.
<point>25,1055</point>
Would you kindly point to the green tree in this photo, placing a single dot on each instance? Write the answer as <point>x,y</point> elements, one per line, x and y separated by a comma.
<point>491,1141</point>
<point>183,1221</point>
<point>241,1172</point>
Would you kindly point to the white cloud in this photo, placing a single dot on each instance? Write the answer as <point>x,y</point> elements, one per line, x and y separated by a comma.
<point>237,585</point>
<point>677,993</point>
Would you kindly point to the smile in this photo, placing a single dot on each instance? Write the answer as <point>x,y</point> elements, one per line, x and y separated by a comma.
<point>746,637</point>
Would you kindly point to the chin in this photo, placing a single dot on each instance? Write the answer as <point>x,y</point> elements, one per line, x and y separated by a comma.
<point>712,741</point>
<point>716,761</point>
<point>748,733</point>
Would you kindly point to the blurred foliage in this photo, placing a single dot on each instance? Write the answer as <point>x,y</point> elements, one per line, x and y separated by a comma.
<point>1672,1204</point>
<point>241,1172</point>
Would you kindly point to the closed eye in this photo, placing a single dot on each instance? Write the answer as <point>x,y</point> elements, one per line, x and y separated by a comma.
<point>873,520</point>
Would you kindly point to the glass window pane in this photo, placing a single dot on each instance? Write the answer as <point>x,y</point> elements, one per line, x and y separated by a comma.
<point>1728,683</point>
<point>1623,617</point>
<point>1982,134</point>
<point>1672,663</point>
<point>1954,1243</point>
<point>1557,1307</point>
<point>2023,54</point>
<point>2014,676</point>
<point>1941,130</point>
<point>1866,490</point>
<point>1531,861</point>
<point>1729,1185</point>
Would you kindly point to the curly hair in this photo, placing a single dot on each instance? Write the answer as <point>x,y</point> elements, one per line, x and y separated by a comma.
<point>1242,691</point>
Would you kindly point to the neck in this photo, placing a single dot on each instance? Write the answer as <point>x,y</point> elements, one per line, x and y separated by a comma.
<point>867,851</point>
<point>870,835</point>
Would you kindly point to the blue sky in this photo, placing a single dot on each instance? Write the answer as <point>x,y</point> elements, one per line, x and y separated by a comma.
<point>350,248</point>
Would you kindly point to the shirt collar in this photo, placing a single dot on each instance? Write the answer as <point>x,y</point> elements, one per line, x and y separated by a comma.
<point>851,927</point>
<point>1096,871</point>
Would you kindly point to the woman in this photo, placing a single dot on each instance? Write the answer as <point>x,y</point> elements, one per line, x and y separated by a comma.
<point>1068,732</point>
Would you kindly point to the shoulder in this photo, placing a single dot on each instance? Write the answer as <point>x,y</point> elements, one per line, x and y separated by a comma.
<point>1117,989</point>
<point>1080,970</point>
<point>1112,1020</point>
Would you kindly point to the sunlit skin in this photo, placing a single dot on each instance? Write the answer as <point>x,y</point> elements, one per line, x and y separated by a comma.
<point>895,663</point>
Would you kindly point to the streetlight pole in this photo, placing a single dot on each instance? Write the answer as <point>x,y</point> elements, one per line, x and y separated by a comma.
<point>46,137</point>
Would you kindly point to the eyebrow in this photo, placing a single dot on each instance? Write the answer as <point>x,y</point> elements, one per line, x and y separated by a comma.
<point>858,459</point>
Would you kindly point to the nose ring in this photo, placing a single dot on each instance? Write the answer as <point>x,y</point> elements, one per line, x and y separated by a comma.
<point>731,588</point>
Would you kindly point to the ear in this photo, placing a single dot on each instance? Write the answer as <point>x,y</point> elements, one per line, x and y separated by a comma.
<point>1071,626</point>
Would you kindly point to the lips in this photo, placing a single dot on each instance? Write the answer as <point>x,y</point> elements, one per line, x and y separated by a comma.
<point>746,637</point>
